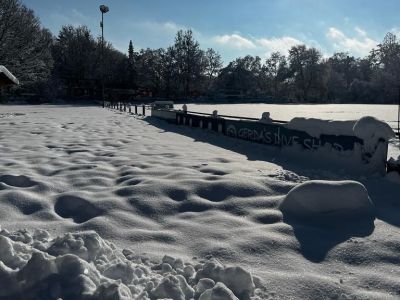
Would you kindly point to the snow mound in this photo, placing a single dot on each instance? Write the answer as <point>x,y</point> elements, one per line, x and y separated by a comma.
<point>366,128</point>
<point>372,129</point>
<point>319,199</point>
<point>84,266</point>
<point>317,127</point>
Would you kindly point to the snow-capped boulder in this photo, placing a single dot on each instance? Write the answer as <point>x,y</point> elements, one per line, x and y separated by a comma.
<point>318,199</point>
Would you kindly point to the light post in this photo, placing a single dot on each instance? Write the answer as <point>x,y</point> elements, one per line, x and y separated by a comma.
<point>104,9</point>
<point>398,116</point>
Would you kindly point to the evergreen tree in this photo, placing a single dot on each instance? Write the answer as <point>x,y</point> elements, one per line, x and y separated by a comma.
<point>131,72</point>
<point>130,52</point>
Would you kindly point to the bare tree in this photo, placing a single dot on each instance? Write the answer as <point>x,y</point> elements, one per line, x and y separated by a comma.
<point>275,69</point>
<point>305,65</point>
<point>213,63</point>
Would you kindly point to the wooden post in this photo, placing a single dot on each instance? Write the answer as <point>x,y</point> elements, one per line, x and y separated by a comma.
<point>124,106</point>
<point>130,110</point>
<point>135,109</point>
<point>144,110</point>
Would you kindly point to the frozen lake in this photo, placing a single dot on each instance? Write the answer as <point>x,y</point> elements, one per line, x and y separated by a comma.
<point>286,112</point>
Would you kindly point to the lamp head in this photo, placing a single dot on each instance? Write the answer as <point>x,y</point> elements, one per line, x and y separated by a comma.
<point>104,9</point>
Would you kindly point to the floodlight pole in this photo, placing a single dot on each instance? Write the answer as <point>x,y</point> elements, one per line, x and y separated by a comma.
<point>104,9</point>
<point>398,116</point>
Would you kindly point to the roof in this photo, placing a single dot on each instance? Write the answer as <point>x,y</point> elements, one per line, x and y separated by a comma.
<point>6,77</point>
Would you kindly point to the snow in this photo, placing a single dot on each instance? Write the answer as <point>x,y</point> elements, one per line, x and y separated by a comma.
<point>370,128</point>
<point>84,266</point>
<point>371,131</point>
<point>316,127</point>
<point>218,292</point>
<point>367,128</point>
<point>105,204</point>
<point>368,157</point>
<point>286,112</point>
<point>349,113</point>
<point>319,199</point>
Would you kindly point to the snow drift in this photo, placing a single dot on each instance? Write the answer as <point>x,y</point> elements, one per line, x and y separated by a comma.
<point>367,128</point>
<point>319,199</point>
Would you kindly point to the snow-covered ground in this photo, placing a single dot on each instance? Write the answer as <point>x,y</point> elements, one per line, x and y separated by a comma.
<point>211,202</point>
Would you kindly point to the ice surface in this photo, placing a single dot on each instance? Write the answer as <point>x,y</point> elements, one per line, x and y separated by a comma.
<point>286,112</point>
<point>111,194</point>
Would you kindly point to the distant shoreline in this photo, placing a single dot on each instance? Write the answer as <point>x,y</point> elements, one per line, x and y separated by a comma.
<point>181,101</point>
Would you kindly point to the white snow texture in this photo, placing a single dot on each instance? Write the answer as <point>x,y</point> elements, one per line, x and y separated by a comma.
<point>320,198</point>
<point>99,204</point>
<point>84,266</point>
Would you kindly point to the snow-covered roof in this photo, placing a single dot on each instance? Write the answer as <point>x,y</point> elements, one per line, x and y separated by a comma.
<point>7,77</point>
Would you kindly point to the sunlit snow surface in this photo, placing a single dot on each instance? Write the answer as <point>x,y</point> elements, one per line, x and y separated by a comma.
<point>154,189</point>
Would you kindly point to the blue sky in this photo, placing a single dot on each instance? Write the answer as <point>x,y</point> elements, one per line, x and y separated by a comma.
<point>234,28</point>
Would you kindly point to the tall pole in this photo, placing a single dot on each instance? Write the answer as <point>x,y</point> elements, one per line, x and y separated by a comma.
<point>398,117</point>
<point>102,57</point>
<point>104,9</point>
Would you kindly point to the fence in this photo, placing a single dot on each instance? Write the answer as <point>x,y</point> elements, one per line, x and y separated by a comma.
<point>342,151</point>
<point>338,151</point>
<point>137,109</point>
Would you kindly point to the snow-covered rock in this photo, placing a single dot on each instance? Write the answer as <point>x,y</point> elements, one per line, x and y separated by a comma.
<point>321,199</point>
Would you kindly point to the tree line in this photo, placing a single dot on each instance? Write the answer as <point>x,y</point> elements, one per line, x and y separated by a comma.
<point>69,66</point>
